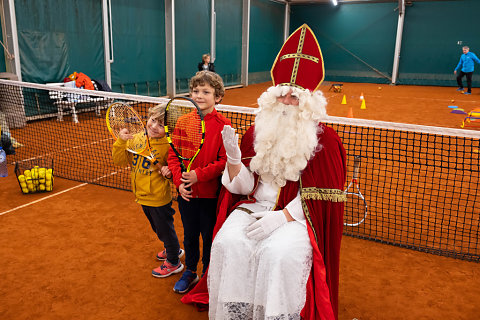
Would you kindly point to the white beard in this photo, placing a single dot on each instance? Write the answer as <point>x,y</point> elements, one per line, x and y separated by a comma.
<point>285,135</point>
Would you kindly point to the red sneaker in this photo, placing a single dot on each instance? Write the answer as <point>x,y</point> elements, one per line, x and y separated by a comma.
<point>167,269</point>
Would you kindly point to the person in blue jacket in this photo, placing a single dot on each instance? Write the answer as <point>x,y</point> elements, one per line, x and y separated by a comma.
<point>466,66</point>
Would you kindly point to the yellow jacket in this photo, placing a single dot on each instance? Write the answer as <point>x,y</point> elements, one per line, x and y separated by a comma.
<point>151,188</point>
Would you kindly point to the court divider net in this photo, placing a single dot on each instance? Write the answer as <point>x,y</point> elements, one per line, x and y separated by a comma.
<point>420,183</point>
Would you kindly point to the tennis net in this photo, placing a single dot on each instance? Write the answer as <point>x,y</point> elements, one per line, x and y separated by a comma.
<point>421,184</point>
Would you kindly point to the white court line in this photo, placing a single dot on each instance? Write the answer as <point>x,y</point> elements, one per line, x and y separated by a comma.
<point>38,200</point>
<point>56,194</point>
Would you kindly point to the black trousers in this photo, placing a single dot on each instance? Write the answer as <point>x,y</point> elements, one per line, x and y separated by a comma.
<point>198,218</point>
<point>161,220</point>
<point>469,80</point>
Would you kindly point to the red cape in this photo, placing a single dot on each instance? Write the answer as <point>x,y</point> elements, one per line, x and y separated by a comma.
<point>326,170</point>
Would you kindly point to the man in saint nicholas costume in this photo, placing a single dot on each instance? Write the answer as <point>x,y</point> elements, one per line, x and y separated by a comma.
<point>276,249</point>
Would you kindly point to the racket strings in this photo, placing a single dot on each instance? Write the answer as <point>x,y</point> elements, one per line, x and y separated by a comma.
<point>185,129</point>
<point>121,116</point>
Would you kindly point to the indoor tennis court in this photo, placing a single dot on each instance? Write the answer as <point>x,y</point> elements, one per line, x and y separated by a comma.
<point>70,255</point>
<point>85,250</point>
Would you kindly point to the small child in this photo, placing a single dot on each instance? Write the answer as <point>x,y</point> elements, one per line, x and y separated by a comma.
<point>198,188</point>
<point>152,189</point>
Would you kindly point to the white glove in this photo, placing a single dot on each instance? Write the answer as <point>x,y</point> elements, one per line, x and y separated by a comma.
<point>269,221</point>
<point>230,142</point>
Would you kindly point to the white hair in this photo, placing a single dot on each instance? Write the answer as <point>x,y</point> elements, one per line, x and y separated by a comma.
<point>286,135</point>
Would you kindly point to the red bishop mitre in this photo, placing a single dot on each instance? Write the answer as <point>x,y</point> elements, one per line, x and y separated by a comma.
<point>299,63</point>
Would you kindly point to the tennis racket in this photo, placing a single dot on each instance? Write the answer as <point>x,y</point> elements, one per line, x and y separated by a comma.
<point>356,205</point>
<point>122,116</point>
<point>184,129</point>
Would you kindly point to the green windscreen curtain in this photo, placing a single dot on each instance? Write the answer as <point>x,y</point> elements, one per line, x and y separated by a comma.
<point>58,37</point>
<point>3,67</point>
<point>192,38</point>
<point>138,47</point>
<point>357,40</point>
<point>228,42</point>
<point>433,37</point>
<point>266,38</point>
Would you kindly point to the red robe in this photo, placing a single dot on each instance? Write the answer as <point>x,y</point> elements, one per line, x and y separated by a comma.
<point>322,183</point>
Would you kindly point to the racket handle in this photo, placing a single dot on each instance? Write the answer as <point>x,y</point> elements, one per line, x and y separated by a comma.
<point>356,167</point>
<point>182,167</point>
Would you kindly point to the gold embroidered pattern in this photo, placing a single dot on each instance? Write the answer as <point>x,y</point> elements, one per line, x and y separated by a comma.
<point>299,55</point>
<point>313,193</point>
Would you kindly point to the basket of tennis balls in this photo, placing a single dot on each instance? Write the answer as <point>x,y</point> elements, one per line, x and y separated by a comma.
<point>35,175</point>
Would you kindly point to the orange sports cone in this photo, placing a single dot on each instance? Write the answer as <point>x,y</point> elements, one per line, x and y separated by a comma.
<point>344,100</point>
<point>363,106</point>
<point>361,96</point>
<point>350,113</point>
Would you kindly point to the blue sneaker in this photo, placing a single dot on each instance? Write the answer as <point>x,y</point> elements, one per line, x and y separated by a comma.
<point>467,92</point>
<point>460,89</point>
<point>187,281</point>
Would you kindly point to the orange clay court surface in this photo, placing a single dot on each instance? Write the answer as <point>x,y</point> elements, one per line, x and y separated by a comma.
<point>86,251</point>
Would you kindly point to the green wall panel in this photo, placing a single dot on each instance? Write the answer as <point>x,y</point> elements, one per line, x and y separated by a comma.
<point>192,38</point>
<point>139,47</point>
<point>430,49</point>
<point>228,42</point>
<point>3,67</point>
<point>357,40</point>
<point>266,38</point>
<point>59,37</point>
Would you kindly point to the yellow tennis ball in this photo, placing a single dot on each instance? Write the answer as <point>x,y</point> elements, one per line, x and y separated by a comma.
<point>49,188</point>
<point>41,173</point>
<point>42,180</point>
<point>50,170</point>
<point>27,173</point>
<point>34,174</point>
<point>24,190</point>
<point>41,187</point>
<point>23,185</point>
<point>30,187</point>
<point>48,176</point>
<point>21,178</point>
<point>48,183</point>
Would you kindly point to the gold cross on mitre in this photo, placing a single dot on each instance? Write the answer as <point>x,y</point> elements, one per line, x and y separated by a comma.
<point>307,70</point>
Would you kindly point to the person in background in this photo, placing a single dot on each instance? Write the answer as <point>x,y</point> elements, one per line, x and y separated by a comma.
<point>206,64</point>
<point>465,67</point>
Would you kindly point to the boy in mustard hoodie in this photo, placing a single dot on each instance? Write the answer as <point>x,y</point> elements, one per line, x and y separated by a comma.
<point>152,189</point>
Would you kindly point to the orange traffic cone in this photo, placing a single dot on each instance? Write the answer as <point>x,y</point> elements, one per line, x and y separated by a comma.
<point>350,113</point>
<point>363,106</point>
<point>344,100</point>
<point>361,96</point>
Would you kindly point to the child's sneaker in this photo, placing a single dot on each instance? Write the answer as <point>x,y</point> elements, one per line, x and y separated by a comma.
<point>188,280</point>
<point>167,269</point>
<point>460,89</point>
<point>467,92</point>
<point>162,255</point>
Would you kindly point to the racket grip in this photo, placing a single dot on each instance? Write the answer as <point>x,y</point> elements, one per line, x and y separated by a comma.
<point>356,167</point>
